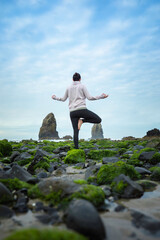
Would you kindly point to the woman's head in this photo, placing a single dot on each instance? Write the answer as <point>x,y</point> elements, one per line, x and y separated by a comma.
<point>76,77</point>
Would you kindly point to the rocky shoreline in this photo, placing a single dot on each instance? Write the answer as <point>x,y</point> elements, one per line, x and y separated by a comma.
<point>105,190</point>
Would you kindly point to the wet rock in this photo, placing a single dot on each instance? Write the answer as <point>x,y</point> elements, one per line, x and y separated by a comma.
<point>42,175</point>
<point>107,190</point>
<point>83,217</point>
<point>59,171</point>
<point>48,129</point>
<point>5,194</point>
<point>130,188</point>
<point>40,154</point>
<point>5,212</point>
<point>155,175</point>
<point>141,220</point>
<point>6,168</point>
<point>18,172</point>
<point>107,160</point>
<point>91,171</point>
<point>80,165</point>
<point>25,155</point>
<point>147,184</point>
<point>62,148</point>
<point>23,148</point>
<point>51,216</point>
<point>145,156</point>
<point>138,147</point>
<point>62,154</point>
<point>21,205</point>
<point>14,155</point>
<point>129,152</point>
<point>39,206</point>
<point>53,166</point>
<point>56,184</point>
<point>119,208</point>
<point>142,171</point>
<point>89,163</point>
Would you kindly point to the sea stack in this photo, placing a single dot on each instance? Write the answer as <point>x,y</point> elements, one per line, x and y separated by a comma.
<point>48,129</point>
<point>97,131</point>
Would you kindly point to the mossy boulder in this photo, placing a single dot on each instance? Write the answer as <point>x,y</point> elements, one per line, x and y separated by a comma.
<point>147,184</point>
<point>45,234</point>
<point>5,148</point>
<point>75,156</point>
<point>155,159</point>
<point>15,184</point>
<point>92,193</point>
<point>99,154</point>
<point>155,173</point>
<point>107,173</point>
<point>139,154</point>
<point>124,187</point>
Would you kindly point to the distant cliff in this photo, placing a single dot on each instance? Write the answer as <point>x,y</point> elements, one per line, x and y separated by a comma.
<point>48,128</point>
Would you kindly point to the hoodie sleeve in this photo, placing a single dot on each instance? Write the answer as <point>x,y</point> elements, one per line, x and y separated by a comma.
<point>63,99</point>
<point>89,97</point>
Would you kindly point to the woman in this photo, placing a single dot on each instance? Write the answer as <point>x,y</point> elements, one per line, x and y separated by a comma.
<point>79,114</point>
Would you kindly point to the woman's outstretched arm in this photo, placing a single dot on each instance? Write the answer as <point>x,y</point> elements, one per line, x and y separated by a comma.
<point>61,99</point>
<point>89,97</point>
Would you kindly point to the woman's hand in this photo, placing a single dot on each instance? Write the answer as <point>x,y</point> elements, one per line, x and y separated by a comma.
<point>54,97</point>
<point>104,95</point>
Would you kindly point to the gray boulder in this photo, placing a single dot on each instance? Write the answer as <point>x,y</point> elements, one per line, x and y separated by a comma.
<point>83,217</point>
<point>131,190</point>
<point>14,155</point>
<point>106,160</point>
<point>145,156</point>
<point>142,171</point>
<point>5,212</point>
<point>56,184</point>
<point>18,172</point>
<point>5,194</point>
<point>146,222</point>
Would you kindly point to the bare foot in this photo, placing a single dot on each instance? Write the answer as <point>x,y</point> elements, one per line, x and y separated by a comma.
<point>80,122</point>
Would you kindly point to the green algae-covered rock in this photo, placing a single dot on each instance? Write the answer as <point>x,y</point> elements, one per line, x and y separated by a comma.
<point>155,173</point>
<point>75,156</point>
<point>155,159</point>
<point>91,193</point>
<point>45,234</point>
<point>107,173</point>
<point>5,148</point>
<point>99,154</point>
<point>14,184</point>
<point>147,184</point>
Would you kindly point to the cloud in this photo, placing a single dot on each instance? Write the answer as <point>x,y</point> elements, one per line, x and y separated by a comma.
<point>40,52</point>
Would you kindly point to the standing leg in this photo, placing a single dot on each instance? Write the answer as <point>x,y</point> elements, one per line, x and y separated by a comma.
<point>74,121</point>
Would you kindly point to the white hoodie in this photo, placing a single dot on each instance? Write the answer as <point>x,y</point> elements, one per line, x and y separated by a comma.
<point>77,93</point>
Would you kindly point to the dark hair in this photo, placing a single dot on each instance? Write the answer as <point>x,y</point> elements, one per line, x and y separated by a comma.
<point>76,77</point>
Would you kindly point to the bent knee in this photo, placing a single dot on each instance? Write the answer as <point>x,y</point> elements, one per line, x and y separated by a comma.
<point>99,120</point>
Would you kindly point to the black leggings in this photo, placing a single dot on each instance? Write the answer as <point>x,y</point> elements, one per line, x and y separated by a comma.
<point>86,116</point>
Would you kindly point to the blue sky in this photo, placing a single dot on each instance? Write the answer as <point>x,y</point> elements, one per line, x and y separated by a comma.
<point>115,45</point>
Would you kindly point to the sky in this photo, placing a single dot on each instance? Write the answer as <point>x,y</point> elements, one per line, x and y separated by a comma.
<point>113,44</point>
